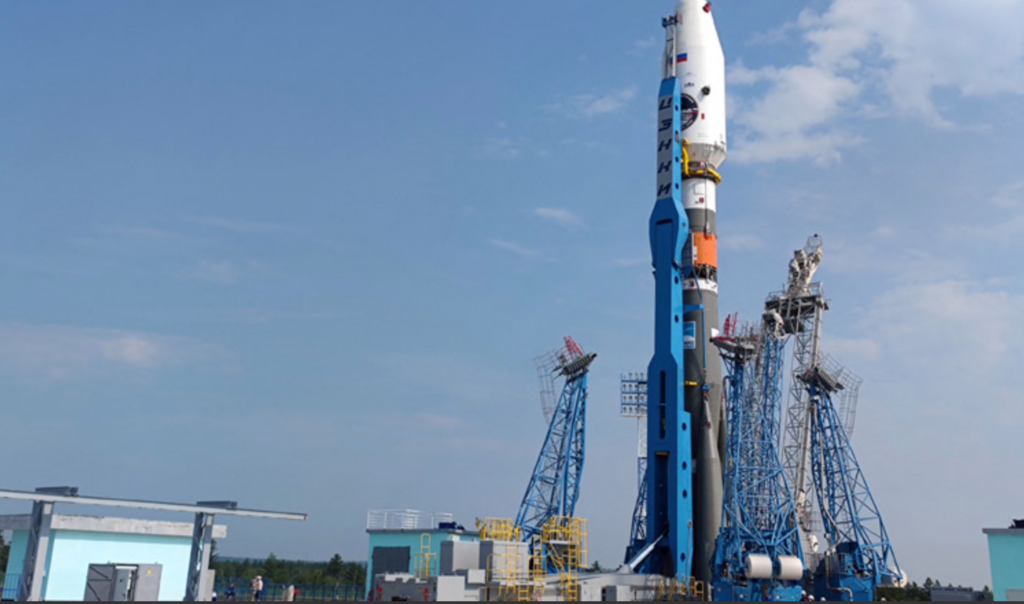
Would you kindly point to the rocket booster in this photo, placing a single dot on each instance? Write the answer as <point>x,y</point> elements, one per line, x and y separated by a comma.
<point>693,67</point>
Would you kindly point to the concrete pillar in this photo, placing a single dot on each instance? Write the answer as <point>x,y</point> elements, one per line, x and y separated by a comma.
<point>34,571</point>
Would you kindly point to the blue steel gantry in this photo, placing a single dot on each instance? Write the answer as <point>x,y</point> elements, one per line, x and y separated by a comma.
<point>860,557</point>
<point>757,554</point>
<point>554,486</point>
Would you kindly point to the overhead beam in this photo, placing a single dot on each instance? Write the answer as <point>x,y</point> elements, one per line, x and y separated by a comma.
<point>149,505</point>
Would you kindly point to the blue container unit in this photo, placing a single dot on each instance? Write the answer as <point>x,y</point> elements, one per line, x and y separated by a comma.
<point>78,541</point>
<point>1006,554</point>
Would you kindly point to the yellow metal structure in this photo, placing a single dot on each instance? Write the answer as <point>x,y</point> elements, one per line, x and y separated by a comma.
<point>564,542</point>
<point>538,569</point>
<point>513,575</point>
<point>508,577</point>
<point>425,564</point>
<point>703,172</point>
<point>498,529</point>
<point>679,590</point>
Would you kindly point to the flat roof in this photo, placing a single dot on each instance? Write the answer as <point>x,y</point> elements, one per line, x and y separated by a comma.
<point>70,495</point>
<point>421,531</point>
<point>104,524</point>
<point>1006,531</point>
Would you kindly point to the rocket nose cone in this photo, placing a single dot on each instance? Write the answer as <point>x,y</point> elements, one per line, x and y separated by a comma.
<point>690,7</point>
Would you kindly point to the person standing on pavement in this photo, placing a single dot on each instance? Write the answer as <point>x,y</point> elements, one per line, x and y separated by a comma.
<point>257,588</point>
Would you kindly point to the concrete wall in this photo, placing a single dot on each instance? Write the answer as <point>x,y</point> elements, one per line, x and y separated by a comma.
<point>71,553</point>
<point>1006,553</point>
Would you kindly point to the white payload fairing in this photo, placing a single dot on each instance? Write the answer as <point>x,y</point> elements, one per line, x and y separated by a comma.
<point>693,54</point>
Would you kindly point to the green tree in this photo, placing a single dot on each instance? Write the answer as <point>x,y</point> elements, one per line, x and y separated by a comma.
<point>336,566</point>
<point>335,572</point>
<point>928,583</point>
<point>274,570</point>
<point>596,567</point>
<point>5,551</point>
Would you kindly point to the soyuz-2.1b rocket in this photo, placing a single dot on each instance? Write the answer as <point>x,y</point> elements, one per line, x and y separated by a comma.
<point>686,420</point>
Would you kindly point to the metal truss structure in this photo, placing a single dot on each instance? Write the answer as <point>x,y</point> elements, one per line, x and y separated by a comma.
<point>554,485</point>
<point>758,554</point>
<point>801,306</point>
<point>634,405</point>
<point>860,556</point>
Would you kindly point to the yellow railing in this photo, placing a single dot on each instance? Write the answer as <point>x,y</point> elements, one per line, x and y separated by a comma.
<point>564,541</point>
<point>498,529</point>
<point>679,590</point>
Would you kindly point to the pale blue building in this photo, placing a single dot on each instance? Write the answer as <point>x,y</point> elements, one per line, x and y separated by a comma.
<point>76,542</point>
<point>1006,554</point>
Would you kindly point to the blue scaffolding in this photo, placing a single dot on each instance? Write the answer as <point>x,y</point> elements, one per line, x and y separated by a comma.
<point>758,555</point>
<point>554,485</point>
<point>860,557</point>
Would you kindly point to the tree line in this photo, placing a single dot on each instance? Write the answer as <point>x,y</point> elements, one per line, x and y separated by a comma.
<point>5,551</point>
<point>917,593</point>
<point>334,572</point>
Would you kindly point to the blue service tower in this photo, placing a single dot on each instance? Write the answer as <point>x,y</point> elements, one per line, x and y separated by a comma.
<point>669,452</point>
<point>686,423</point>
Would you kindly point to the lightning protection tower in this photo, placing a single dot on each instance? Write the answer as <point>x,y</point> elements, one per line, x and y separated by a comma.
<point>634,405</point>
<point>554,486</point>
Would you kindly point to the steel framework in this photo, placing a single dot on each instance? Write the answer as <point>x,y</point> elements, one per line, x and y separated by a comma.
<point>634,405</point>
<point>860,556</point>
<point>801,306</point>
<point>554,485</point>
<point>758,554</point>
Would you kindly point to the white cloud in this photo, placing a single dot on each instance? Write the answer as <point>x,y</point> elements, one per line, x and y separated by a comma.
<point>1010,196</point>
<point>518,250</point>
<point>437,421</point>
<point>957,325</point>
<point>244,226</point>
<point>786,123</point>
<point>591,106</point>
<point>559,216</point>
<point>900,52</point>
<point>594,105</point>
<point>63,352</point>
<point>641,47</point>
<point>884,232</point>
<point>741,242</point>
<point>630,262</point>
<point>852,349</point>
<point>143,233</point>
<point>506,147</point>
<point>218,273</point>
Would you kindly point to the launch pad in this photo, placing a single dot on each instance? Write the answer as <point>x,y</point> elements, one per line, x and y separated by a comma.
<point>732,504</point>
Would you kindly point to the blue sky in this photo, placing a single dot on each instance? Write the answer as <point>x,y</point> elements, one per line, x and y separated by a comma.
<point>303,255</point>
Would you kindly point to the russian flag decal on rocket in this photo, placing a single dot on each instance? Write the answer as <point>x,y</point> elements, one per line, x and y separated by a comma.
<point>683,58</point>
